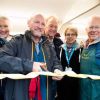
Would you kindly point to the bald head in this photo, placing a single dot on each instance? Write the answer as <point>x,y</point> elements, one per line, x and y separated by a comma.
<point>51,19</point>
<point>94,20</point>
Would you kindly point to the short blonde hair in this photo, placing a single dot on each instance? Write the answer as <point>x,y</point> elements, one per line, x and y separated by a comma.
<point>3,18</point>
<point>72,28</point>
<point>52,18</point>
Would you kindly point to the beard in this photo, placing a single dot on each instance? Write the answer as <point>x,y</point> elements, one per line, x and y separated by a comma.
<point>37,33</point>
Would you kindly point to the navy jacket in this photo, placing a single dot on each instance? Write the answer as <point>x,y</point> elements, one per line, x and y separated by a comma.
<point>15,57</point>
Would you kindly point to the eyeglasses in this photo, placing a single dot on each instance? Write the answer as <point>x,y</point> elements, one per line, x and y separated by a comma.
<point>94,27</point>
<point>68,34</point>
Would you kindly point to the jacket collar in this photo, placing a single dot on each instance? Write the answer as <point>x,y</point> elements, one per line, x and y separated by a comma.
<point>29,36</point>
<point>94,42</point>
<point>75,46</point>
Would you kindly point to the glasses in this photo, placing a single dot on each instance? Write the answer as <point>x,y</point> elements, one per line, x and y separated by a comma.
<point>94,27</point>
<point>68,34</point>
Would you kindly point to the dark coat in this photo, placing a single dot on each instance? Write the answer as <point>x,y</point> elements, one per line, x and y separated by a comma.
<point>57,43</point>
<point>3,81</point>
<point>15,57</point>
<point>68,87</point>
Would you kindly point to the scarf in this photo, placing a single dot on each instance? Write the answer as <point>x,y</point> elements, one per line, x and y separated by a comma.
<point>33,87</point>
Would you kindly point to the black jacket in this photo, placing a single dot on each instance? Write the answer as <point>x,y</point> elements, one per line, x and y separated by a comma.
<point>68,87</point>
<point>57,43</point>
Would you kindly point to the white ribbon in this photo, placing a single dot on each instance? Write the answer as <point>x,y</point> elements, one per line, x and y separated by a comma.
<point>35,74</point>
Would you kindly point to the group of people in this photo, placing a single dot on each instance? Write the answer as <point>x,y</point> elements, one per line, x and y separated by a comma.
<point>39,49</point>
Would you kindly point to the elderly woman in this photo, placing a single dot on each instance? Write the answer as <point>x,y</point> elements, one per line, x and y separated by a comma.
<point>68,88</point>
<point>90,61</point>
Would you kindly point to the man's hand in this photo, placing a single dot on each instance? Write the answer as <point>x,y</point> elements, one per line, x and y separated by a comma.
<point>37,66</point>
<point>59,77</point>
